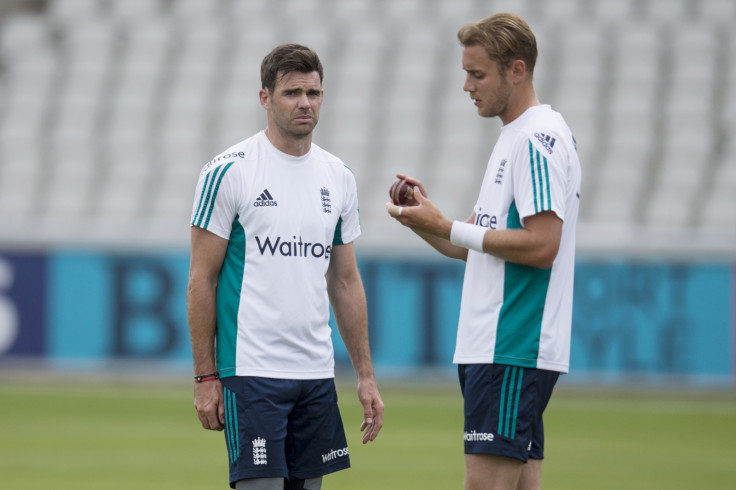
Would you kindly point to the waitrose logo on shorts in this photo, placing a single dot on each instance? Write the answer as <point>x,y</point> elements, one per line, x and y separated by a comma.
<point>335,453</point>
<point>478,436</point>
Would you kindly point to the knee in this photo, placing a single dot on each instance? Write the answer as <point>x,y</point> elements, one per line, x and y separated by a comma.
<point>308,484</point>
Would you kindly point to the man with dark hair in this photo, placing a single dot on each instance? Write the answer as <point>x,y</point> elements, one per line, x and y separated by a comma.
<point>272,232</point>
<point>513,338</point>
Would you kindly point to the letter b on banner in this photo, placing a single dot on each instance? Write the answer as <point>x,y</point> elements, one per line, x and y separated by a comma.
<point>143,323</point>
<point>8,311</point>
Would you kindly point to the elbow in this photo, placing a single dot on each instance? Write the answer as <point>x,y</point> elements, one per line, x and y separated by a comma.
<point>545,258</point>
<point>199,280</point>
<point>543,263</point>
<point>335,284</point>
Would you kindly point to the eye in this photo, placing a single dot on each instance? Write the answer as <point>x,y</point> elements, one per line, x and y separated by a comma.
<point>475,75</point>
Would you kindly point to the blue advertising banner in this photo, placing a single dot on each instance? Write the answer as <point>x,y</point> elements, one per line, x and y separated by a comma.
<point>656,318</point>
<point>412,310</point>
<point>110,306</point>
<point>630,319</point>
<point>23,303</point>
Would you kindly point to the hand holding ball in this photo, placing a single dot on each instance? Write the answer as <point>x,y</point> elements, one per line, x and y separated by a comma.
<point>402,193</point>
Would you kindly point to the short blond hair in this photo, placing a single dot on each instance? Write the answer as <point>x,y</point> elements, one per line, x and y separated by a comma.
<point>504,37</point>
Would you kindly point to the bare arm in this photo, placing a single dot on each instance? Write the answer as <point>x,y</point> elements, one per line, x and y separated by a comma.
<point>536,244</point>
<point>207,255</point>
<point>443,245</point>
<point>347,297</point>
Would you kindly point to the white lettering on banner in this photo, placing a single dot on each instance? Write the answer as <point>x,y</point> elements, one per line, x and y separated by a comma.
<point>8,312</point>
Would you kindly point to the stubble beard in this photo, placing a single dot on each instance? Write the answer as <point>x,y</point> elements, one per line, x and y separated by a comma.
<point>498,106</point>
<point>297,131</point>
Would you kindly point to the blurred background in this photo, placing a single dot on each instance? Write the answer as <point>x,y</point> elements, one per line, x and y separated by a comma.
<point>109,109</point>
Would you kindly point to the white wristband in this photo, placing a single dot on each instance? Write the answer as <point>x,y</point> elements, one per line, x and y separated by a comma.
<point>467,235</point>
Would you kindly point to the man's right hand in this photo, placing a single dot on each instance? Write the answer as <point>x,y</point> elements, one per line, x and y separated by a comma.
<point>208,401</point>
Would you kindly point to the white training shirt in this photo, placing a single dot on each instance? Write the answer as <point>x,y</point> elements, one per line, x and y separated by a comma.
<point>282,216</point>
<point>510,313</point>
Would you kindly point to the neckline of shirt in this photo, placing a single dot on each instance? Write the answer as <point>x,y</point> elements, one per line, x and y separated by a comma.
<point>293,159</point>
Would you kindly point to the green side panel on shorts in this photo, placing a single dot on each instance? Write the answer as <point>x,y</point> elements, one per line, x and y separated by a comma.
<point>516,402</point>
<point>231,425</point>
<point>228,300</point>
<point>508,409</point>
<point>520,319</point>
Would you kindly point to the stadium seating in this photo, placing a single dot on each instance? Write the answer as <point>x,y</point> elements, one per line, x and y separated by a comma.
<point>109,108</point>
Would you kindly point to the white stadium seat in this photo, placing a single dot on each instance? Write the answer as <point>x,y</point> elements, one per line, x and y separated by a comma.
<point>122,92</point>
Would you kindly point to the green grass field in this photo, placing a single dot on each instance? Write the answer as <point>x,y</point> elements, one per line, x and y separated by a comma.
<point>121,434</point>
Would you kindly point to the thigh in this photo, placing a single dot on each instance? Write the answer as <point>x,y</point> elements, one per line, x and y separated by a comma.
<point>503,408</point>
<point>309,484</point>
<point>489,472</point>
<point>260,484</point>
<point>256,420</point>
<point>531,475</point>
<point>316,442</point>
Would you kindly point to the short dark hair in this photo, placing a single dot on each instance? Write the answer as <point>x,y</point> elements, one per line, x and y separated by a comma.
<point>288,58</point>
<point>504,37</point>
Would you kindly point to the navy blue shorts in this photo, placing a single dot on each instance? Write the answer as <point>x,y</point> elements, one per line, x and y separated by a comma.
<point>503,409</point>
<point>283,428</point>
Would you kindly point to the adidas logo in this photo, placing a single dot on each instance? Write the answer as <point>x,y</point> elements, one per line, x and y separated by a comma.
<point>265,199</point>
<point>547,141</point>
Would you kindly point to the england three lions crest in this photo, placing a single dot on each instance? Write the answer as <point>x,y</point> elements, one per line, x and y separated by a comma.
<point>259,451</point>
<point>325,198</point>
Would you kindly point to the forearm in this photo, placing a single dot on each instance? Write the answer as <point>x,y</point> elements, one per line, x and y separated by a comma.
<point>443,245</point>
<point>349,306</point>
<point>347,297</point>
<point>431,226</point>
<point>202,319</point>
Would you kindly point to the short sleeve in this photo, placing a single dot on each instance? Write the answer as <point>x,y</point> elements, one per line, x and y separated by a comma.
<point>539,180</point>
<point>348,225</point>
<point>215,205</point>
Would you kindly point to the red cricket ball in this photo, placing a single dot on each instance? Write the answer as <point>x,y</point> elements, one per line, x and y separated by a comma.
<point>402,193</point>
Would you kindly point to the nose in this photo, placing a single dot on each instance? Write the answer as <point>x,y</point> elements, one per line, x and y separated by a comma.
<point>303,101</point>
<point>467,86</point>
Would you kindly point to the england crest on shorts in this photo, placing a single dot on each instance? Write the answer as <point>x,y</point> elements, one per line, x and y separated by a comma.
<point>259,451</point>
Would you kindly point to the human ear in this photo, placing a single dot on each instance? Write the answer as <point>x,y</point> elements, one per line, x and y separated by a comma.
<point>518,70</point>
<point>263,95</point>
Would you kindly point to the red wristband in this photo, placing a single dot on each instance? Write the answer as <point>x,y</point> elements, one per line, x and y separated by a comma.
<point>206,377</point>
